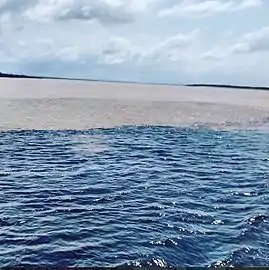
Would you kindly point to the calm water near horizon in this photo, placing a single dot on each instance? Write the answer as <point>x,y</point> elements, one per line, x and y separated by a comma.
<point>134,195</point>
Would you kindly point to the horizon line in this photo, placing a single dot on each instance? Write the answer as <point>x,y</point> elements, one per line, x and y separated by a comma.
<point>24,76</point>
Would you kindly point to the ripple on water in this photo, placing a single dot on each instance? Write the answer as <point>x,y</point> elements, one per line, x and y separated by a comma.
<point>142,196</point>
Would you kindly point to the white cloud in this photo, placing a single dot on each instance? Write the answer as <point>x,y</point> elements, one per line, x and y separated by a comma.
<point>105,12</point>
<point>14,6</point>
<point>178,54</point>
<point>257,41</point>
<point>199,8</point>
<point>247,46</point>
<point>80,34</point>
<point>245,58</point>
<point>108,12</point>
<point>249,4</point>
<point>117,50</point>
<point>174,48</point>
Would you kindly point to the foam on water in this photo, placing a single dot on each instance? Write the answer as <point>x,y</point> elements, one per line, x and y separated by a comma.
<point>134,195</point>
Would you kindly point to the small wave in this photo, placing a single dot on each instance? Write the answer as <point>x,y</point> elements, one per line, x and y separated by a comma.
<point>243,257</point>
<point>150,262</point>
<point>257,220</point>
<point>148,196</point>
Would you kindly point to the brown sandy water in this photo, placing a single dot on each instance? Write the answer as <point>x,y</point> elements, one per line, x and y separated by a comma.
<point>57,104</point>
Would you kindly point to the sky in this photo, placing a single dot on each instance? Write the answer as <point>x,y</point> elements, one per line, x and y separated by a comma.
<point>161,41</point>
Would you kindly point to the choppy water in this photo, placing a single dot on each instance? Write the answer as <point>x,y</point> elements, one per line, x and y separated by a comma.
<point>134,195</point>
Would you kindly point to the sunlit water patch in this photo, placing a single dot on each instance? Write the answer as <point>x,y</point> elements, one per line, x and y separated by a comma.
<point>87,144</point>
<point>134,195</point>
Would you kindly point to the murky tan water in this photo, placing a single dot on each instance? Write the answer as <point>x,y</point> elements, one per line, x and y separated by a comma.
<point>51,104</point>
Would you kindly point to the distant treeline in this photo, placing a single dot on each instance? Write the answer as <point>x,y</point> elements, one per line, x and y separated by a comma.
<point>8,75</point>
<point>229,86</point>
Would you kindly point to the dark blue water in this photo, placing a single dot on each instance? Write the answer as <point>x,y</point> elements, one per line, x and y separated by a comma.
<point>134,195</point>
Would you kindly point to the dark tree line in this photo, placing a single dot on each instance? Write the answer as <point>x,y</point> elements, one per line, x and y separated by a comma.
<point>9,75</point>
<point>229,86</point>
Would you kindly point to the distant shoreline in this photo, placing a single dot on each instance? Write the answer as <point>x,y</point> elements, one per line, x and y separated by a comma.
<point>229,86</point>
<point>22,76</point>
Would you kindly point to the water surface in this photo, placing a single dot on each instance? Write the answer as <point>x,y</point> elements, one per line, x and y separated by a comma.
<point>134,195</point>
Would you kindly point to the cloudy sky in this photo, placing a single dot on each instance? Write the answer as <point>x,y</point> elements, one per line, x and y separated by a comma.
<point>179,41</point>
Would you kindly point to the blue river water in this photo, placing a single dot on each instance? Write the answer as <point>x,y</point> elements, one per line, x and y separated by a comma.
<point>142,196</point>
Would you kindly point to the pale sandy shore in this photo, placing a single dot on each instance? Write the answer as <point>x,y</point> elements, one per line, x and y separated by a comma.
<point>56,104</point>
